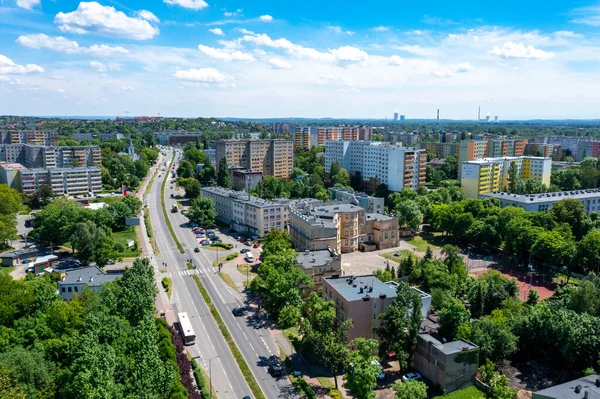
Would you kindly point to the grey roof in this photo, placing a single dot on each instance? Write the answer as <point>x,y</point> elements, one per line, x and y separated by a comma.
<point>91,276</point>
<point>449,348</point>
<point>567,390</point>
<point>240,196</point>
<point>332,209</point>
<point>19,253</point>
<point>546,197</point>
<point>349,287</point>
<point>310,259</point>
<point>382,217</point>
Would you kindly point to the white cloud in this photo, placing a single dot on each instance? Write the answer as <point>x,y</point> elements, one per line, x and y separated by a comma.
<point>395,60</point>
<point>381,29</point>
<point>8,67</point>
<point>349,55</point>
<point>204,75</point>
<point>92,17</point>
<point>28,4</point>
<point>127,88</point>
<point>191,4</point>
<point>416,50</point>
<point>587,15</point>
<point>245,31</point>
<point>460,68</point>
<point>56,43</point>
<point>519,50</point>
<point>217,31</point>
<point>266,18</point>
<point>278,63</point>
<point>64,45</point>
<point>232,13</point>
<point>98,66</point>
<point>225,54</point>
<point>338,30</point>
<point>148,16</point>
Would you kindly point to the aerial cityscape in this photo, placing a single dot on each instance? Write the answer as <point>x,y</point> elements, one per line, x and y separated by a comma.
<point>299,201</point>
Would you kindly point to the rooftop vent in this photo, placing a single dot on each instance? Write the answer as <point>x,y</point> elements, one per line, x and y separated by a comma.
<point>79,279</point>
<point>578,389</point>
<point>382,296</point>
<point>598,382</point>
<point>91,279</point>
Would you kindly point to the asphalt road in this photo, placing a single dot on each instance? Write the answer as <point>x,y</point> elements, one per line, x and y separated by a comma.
<point>227,378</point>
<point>253,340</point>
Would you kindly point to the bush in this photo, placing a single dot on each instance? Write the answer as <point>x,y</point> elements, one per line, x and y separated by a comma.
<point>335,395</point>
<point>184,366</point>
<point>222,245</point>
<point>200,382</point>
<point>232,256</point>
<point>303,385</point>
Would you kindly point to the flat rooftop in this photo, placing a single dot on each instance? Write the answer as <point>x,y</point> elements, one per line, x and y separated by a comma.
<point>310,259</point>
<point>382,217</point>
<point>240,196</point>
<point>449,348</point>
<point>11,166</point>
<point>329,210</point>
<point>546,197</point>
<point>349,287</point>
<point>90,275</point>
<point>19,252</point>
<point>567,390</point>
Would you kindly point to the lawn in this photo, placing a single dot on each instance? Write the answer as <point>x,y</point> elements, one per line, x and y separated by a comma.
<point>467,393</point>
<point>421,243</point>
<point>404,253</point>
<point>222,259</point>
<point>7,269</point>
<point>227,279</point>
<point>121,237</point>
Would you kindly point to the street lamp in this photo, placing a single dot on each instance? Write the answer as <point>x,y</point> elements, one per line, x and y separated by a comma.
<point>210,375</point>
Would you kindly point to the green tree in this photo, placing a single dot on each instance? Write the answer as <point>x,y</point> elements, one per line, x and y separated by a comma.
<point>191,186</point>
<point>571,212</point>
<point>8,388</point>
<point>452,315</point>
<point>223,179</point>
<point>202,212</point>
<point>363,368</point>
<point>410,390</point>
<point>186,169</point>
<point>588,251</point>
<point>533,297</point>
<point>341,178</point>
<point>409,214</point>
<point>41,197</point>
<point>512,177</point>
<point>85,239</point>
<point>450,167</point>
<point>494,337</point>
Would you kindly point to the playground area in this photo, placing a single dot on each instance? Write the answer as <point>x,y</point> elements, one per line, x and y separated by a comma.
<point>527,282</point>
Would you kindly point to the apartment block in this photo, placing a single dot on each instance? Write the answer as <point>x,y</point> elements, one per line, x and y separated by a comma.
<point>211,153</point>
<point>243,212</point>
<point>442,150</point>
<point>34,137</point>
<point>492,148</point>
<point>573,146</point>
<point>589,198</point>
<point>83,136</point>
<point>540,150</point>
<point>319,265</point>
<point>41,156</point>
<point>365,201</point>
<point>63,181</point>
<point>306,137</point>
<point>365,133</point>
<point>10,174</point>
<point>273,157</point>
<point>487,175</point>
<point>408,139</point>
<point>378,162</point>
<point>363,299</point>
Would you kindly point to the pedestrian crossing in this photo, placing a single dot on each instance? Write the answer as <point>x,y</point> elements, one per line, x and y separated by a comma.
<point>191,272</point>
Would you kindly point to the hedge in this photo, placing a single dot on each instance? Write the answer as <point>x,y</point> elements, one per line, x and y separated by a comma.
<point>164,208</point>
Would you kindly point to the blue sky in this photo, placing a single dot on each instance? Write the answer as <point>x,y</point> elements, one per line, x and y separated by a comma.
<point>516,59</point>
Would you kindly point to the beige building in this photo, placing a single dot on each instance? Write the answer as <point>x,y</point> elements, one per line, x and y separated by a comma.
<point>35,137</point>
<point>243,212</point>
<point>319,265</point>
<point>382,230</point>
<point>450,366</point>
<point>273,157</point>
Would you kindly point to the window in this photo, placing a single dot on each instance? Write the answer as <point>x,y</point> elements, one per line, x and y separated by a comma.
<point>70,289</point>
<point>76,289</point>
<point>63,289</point>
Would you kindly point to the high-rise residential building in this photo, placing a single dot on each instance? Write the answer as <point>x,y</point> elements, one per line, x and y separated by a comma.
<point>274,157</point>
<point>540,150</point>
<point>487,175</point>
<point>442,150</point>
<point>33,137</point>
<point>365,133</point>
<point>306,137</point>
<point>572,146</point>
<point>592,149</point>
<point>63,181</point>
<point>10,174</point>
<point>409,139</point>
<point>243,212</point>
<point>379,163</point>
<point>492,148</point>
<point>211,153</point>
<point>41,156</point>
<point>395,116</point>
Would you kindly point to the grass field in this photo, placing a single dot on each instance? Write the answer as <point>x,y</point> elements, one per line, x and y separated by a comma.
<point>467,393</point>
<point>7,269</point>
<point>421,243</point>
<point>121,237</point>
<point>404,254</point>
<point>228,280</point>
<point>246,268</point>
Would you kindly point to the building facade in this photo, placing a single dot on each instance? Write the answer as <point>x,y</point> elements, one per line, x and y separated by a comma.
<point>408,139</point>
<point>382,230</point>
<point>442,150</point>
<point>590,198</point>
<point>77,280</point>
<point>378,163</point>
<point>487,175</point>
<point>243,179</point>
<point>41,156</point>
<point>177,138</point>
<point>319,265</point>
<point>33,137</point>
<point>245,213</point>
<point>63,181</point>
<point>365,201</point>
<point>273,157</point>
<point>10,174</point>
<point>211,153</point>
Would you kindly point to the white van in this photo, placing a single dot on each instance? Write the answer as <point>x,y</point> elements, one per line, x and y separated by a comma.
<point>249,257</point>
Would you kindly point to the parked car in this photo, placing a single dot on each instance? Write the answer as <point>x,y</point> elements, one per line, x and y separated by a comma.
<point>412,377</point>
<point>238,311</point>
<point>248,243</point>
<point>206,243</point>
<point>244,250</point>
<point>256,245</point>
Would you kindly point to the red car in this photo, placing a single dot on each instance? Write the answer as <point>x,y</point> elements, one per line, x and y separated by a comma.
<point>256,245</point>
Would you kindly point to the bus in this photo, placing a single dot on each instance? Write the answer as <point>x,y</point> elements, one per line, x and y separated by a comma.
<point>187,332</point>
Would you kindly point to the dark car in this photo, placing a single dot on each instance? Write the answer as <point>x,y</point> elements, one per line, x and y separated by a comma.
<point>244,250</point>
<point>196,249</point>
<point>238,311</point>
<point>275,370</point>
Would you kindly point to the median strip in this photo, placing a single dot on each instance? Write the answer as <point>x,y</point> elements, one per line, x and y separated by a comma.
<point>164,208</point>
<point>246,372</point>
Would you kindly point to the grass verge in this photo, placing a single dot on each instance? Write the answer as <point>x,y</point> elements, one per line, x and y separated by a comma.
<point>217,248</point>
<point>167,285</point>
<point>164,209</point>
<point>245,268</point>
<point>222,259</point>
<point>7,269</point>
<point>189,265</point>
<point>248,376</point>
<point>467,393</point>
<point>150,232</point>
<point>121,237</point>
<point>228,280</point>
<point>404,253</point>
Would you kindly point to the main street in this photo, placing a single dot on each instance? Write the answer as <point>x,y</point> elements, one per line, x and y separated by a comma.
<point>227,378</point>
<point>253,340</point>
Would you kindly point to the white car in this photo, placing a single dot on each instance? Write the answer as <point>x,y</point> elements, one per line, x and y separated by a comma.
<point>412,377</point>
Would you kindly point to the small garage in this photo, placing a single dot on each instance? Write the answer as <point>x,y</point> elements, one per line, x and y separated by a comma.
<point>18,257</point>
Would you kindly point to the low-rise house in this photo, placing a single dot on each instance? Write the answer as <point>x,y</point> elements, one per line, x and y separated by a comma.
<point>19,256</point>
<point>77,279</point>
<point>449,366</point>
<point>319,265</point>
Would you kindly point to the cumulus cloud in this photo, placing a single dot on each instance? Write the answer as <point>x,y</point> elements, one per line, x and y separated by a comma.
<point>9,67</point>
<point>148,16</point>
<point>245,31</point>
<point>191,4</point>
<point>91,17</point>
<point>349,55</point>
<point>225,54</point>
<point>587,15</point>
<point>64,45</point>
<point>278,63</point>
<point>381,29</point>
<point>98,66</point>
<point>204,75</point>
<point>28,4</point>
<point>266,18</point>
<point>217,31</point>
<point>519,50</point>
<point>395,60</point>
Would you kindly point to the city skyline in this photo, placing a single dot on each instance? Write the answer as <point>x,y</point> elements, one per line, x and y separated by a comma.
<point>193,58</point>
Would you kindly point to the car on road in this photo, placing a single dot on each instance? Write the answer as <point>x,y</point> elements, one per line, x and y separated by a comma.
<point>412,377</point>
<point>256,245</point>
<point>244,250</point>
<point>206,243</point>
<point>275,370</point>
<point>238,311</point>
<point>197,249</point>
<point>248,243</point>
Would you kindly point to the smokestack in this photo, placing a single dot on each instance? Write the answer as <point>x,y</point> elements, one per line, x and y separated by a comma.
<point>438,117</point>
<point>479,113</point>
